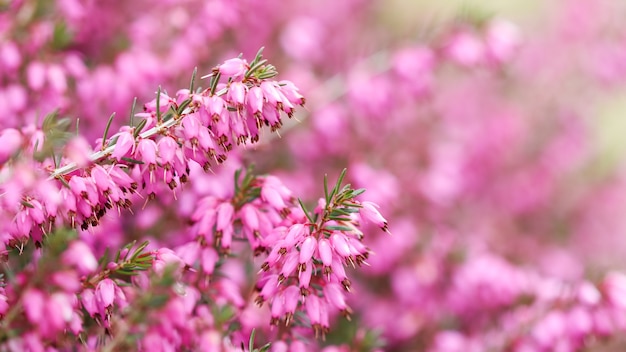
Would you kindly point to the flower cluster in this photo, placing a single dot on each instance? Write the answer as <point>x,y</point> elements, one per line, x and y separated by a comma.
<point>306,254</point>
<point>306,266</point>
<point>198,127</point>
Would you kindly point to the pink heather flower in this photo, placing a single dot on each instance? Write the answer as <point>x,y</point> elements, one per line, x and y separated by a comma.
<point>340,244</point>
<point>189,252</point>
<point>289,266</point>
<point>208,259</point>
<point>269,289</point>
<point>215,106</point>
<point>302,37</point>
<point>295,234</point>
<point>105,293</point>
<point>615,288</point>
<point>466,49</point>
<point>16,97</point>
<point>204,227</point>
<point>164,257</point>
<point>339,272</point>
<point>36,213</point>
<point>78,254</point>
<point>279,346</point>
<point>255,100</point>
<point>121,178</point>
<point>34,302</point>
<point>125,145</point>
<point>304,278</point>
<point>307,248</point>
<point>325,251</point>
<point>579,322</point>
<point>167,147</point>
<point>56,78</point>
<point>237,93</point>
<point>370,212</point>
<point>334,295</point>
<point>205,139</point>
<point>59,310</point>
<point>101,178</point>
<point>277,309</point>
<point>35,75</point>
<point>10,55</point>
<point>233,68</point>
<point>588,294</point>
<point>291,298</point>
<point>414,64</point>
<point>164,103</point>
<point>271,195</point>
<point>291,92</point>
<point>4,304</point>
<point>249,216</point>
<point>225,213</point>
<point>21,226</point>
<point>147,150</point>
<point>271,93</point>
<point>10,141</point>
<point>190,126</point>
<point>550,329</point>
<point>271,116</point>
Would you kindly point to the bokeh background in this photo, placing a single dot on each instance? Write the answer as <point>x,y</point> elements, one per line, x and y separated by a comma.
<point>491,134</point>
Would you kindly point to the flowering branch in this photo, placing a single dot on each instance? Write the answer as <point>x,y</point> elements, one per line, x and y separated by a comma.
<point>198,126</point>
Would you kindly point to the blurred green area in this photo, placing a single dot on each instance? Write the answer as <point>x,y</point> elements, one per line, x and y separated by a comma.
<point>610,128</point>
<point>402,14</point>
<point>609,112</point>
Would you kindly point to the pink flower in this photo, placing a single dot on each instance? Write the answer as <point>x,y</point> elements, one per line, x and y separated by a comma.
<point>10,141</point>
<point>78,254</point>
<point>370,212</point>
<point>125,144</point>
<point>307,248</point>
<point>147,150</point>
<point>233,67</point>
<point>34,302</point>
<point>105,293</point>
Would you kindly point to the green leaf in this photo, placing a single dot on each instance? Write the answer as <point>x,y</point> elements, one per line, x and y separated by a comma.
<point>106,129</point>
<point>265,347</point>
<point>139,249</point>
<point>357,192</point>
<point>158,300</point>
<point>126,272</point>
<point>251,342</point>
<point>306,212</point>
<point>63,181</point>
<point>158,105</point>
<point>193,79</point>
<point>139,127</point>
<point>61,36</point>
<point>132,161</point>
<point>132,111</point>
<point>214,80</point>
<point>254,68</point>
<point>258,56</point>
<point>237,173</point>
<point>267,74</point>
<point>326,189</point>
<point>183,106</point>
<point>27,204</point>
<point>104,257</point>
<point>338,228</point>
<point>337,218</point>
